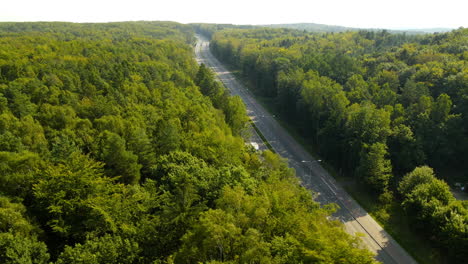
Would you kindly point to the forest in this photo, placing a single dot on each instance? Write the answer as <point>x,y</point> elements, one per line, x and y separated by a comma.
<point>388,111</point>
<point>116,147</point>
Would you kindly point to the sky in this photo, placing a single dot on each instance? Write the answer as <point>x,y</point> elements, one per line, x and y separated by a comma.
<point>390,14</point>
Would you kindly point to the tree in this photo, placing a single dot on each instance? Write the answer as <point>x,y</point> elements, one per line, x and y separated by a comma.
<point>325,101</point>
<point>365,125</point>
<point>357,89</point>
<point>60,195</point>
<point>441,109</point>
<point>119,161</point>
<point>454,231</point>
<point>106,249</point>
<point>18,237</point>
<point>405,151</point>
<point>17,172</point>
<point>205,80</point>
<point>420,175</point>
<point>412,91</point>
<point>215,237</point>
<point>169,135</point>
<point>424,194</point>
<point>236,114</point>
<point>385,96</point>
<point>374,167</point>
<point>20,249</point>
<point>139,143</point>
<point>388,79</point>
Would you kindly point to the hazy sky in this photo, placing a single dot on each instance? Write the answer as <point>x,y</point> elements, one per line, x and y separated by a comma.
<point>353,13</point>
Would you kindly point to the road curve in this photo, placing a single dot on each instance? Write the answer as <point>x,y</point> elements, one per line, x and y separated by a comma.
<point>309,170</point>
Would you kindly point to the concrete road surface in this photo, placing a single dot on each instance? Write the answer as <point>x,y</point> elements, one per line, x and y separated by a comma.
<point>309,170</point>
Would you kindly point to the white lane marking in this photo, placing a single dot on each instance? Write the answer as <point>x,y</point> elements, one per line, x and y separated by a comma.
<point>328,185</point>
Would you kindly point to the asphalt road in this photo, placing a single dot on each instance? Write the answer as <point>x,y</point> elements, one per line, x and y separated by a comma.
<point>309,170</point>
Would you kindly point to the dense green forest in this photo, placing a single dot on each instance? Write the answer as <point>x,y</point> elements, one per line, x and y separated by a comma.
<point>379,107</point>
<point>312,27</point>
<point>116,147</point>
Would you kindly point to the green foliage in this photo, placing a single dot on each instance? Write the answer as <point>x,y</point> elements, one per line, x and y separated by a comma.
<point>17,172</point>
<point>106,249</point>
<point>18,236</point>
<point>268,226</point>
<point>232,106</point>
<point>372,103</point>
<point>61,191</point>
<point>374,167</point>
<point>116,147</point>
<point>23,250</point>
<point>118,160</point>
<point>406,153</point>
<point>430,203</point>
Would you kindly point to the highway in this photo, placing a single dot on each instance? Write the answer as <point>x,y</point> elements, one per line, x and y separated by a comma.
<point>309,170</point>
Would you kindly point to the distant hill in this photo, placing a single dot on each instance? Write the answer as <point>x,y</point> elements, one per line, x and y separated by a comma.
<point>428,30</point>
<point>313,27</point>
